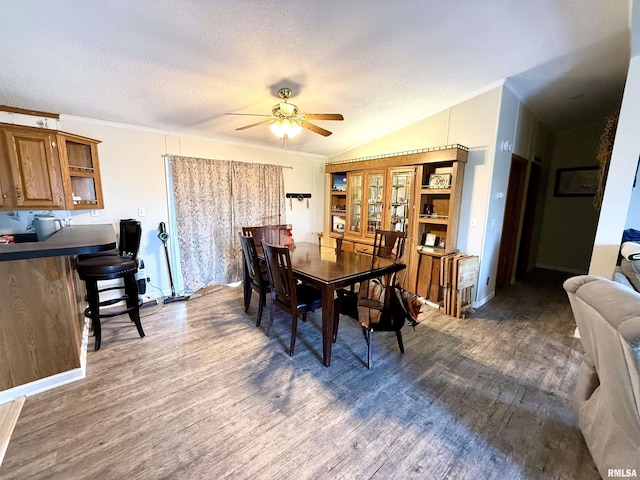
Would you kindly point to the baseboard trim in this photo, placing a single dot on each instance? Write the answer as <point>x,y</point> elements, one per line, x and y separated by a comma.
<point>557,268</point>
<point>42,385</point>
<point>481,302</point>
<point>54,381</point>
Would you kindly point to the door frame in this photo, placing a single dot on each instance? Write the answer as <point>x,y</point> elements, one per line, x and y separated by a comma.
<point>512,220</point>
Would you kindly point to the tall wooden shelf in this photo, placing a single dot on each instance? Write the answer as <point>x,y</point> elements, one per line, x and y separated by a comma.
<point>393,192</point>
<point>338,203</point>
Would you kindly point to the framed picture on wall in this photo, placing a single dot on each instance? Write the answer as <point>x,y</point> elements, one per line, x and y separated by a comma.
<point>576,182</point>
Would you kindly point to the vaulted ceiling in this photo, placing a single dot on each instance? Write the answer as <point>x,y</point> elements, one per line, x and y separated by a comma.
<point>180,65</point>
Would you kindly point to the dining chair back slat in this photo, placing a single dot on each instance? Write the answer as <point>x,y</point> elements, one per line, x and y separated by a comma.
<point>286,294</point>
<point>255,277</point>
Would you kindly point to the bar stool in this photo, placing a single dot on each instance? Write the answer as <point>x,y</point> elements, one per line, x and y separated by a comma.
<point>93,269</point>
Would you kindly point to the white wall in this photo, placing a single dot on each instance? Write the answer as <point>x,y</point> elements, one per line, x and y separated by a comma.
<point>633,217</point>
<point>133,176</point>
<point>569,224</point>
<point>527,138</point>
<point>617,194</point>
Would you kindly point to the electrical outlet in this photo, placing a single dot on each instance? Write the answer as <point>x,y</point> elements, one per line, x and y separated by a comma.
<point>94,212</point>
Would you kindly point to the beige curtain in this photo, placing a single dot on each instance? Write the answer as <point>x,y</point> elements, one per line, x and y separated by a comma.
<point>258,194</point>
<point>213,200</point>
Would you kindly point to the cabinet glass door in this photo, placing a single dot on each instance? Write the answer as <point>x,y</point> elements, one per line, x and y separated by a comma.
<point>375,201</point>
<point>401,186</point>
<point>354,213</point>
<point>80,160</point>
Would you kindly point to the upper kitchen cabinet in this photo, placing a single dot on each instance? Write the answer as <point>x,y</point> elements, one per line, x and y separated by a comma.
<point>81,171</point>
<point>42,169</point>
<point>30,175</point>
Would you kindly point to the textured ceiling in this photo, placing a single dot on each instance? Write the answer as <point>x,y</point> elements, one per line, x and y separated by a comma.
<point>180,65</point>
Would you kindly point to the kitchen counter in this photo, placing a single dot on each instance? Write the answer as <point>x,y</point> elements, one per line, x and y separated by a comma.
<point>72,240</point>
<point>42,323</point>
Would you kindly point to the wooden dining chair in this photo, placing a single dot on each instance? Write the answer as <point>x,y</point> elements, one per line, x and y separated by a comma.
<point>258,234</point>
<point>286,294</point>
<point>382,308</point>
<point>256,277</point>
<point>388,245</point>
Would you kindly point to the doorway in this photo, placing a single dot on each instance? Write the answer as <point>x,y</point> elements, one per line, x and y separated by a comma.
<point>511,224</point>
<point>530,210</point>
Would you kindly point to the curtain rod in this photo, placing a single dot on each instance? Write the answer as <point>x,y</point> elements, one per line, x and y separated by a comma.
<point>165,155</point>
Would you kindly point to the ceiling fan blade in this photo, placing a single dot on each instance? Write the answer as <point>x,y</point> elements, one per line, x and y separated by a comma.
<point>315,128</point>
<point>323,116</point>
<point>249,114</point>
<point>254,124</point>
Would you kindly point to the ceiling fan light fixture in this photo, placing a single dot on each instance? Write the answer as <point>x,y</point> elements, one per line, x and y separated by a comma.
<point>285,126</point>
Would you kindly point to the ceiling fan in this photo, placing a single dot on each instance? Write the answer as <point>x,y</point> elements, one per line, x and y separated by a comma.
<point>286,121</point>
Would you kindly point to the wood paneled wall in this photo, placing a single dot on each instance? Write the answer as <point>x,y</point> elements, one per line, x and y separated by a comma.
<point>40,319</point>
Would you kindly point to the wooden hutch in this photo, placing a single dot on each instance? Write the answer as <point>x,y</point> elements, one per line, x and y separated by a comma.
<point>417,192</point>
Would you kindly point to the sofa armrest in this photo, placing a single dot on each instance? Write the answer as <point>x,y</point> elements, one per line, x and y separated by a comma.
<point>574,283</point>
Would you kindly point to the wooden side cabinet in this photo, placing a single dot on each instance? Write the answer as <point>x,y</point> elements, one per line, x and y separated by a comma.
<point>30,168</point>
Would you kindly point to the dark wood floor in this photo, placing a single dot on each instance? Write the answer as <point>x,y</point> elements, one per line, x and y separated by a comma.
<point>207,395</point>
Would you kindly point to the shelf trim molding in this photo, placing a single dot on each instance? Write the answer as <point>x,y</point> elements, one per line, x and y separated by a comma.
<point>399,154</point>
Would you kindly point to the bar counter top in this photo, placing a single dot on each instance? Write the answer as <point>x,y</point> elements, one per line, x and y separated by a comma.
<point>71,240</point>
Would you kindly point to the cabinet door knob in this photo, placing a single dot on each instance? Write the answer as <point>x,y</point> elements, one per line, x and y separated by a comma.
<point>18,193</point>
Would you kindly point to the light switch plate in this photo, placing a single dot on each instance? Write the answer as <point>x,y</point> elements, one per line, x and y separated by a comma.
<point>142,212</point>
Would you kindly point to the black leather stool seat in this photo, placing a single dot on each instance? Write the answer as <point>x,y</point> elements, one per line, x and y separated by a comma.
<point>106,267</point>
<point>110,267</point>
<point>105,253</point>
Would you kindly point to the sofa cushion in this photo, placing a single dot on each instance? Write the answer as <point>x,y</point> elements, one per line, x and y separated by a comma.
<point>631,270</point>
<point>630,250</point>
<point>621,278</point>
<point>630,331</point>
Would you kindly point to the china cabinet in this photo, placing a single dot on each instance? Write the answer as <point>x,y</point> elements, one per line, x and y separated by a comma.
<point>416,192</point>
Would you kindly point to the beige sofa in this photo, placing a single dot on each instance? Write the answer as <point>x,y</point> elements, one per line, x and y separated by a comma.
<point>607,395</point>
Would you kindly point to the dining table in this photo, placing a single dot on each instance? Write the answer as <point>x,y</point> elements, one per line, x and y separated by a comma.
<point>327,270</point>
